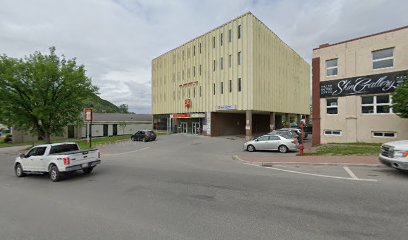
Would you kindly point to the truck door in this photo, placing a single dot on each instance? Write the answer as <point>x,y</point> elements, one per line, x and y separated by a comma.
<point>37,159</point>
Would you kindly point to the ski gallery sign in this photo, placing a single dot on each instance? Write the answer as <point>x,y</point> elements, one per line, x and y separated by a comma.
<point>378,83</point>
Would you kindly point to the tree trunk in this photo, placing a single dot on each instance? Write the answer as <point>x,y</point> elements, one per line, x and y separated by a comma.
<point>47,137</point>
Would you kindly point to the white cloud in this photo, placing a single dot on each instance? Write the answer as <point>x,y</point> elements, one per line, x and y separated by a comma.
<point>117,39</point>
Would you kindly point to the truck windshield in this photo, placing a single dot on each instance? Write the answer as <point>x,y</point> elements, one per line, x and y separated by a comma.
<point>64,148</point>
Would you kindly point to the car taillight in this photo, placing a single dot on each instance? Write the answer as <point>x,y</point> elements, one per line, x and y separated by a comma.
<point>67,161</point>
<point>294,141</point>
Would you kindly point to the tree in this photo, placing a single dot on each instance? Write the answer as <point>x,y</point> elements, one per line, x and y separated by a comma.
<point>123,108</point>
<point>122,125</point>
<point>400,100</point>
<point>42,93</point>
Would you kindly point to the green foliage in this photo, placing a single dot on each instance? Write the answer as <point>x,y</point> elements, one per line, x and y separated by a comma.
<point>100,105</point>
<point>123,108</point>
<point>400,100</point>
<point>122,125</point>
<point>42,93</point>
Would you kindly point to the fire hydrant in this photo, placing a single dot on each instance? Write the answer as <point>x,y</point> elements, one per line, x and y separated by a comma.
<point>301,148</point>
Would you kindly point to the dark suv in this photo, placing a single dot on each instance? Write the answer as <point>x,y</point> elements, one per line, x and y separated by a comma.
<point>144,135</point>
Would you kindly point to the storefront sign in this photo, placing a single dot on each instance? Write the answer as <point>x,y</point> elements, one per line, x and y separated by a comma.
<point>188,115</point>
<point>225,107</point>
<point>187,102</point>
<point>88,114</point>
<point>378,83</point>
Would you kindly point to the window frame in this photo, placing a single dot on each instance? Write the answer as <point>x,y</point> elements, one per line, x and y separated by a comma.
<point>375,104</point>
<point>222,87</point>
<point>239,85</point>
<point>332,132</point>
<point>239,31</point>
<point>383,134</point>
<point>332,106</point>
<point>382,59</point>
<point>239,58</point>
<point>221,63</point>
<point>229,35</point>
<point>333,67</point>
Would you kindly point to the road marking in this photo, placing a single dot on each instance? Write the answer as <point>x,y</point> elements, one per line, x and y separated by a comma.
<point>112,154</point>
<point>352,175</point>
<point>305,173</point>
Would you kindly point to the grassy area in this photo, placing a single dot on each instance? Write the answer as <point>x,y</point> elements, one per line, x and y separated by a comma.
<point>83,144</point>
<point>348,149</point>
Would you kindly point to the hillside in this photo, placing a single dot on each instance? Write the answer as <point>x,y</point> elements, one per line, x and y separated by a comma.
<point>102,106</point>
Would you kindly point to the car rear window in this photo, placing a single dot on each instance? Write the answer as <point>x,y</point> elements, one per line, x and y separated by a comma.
<point>64,148</point>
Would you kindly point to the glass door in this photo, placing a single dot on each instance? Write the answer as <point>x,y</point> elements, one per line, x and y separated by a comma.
<point>196,128</point>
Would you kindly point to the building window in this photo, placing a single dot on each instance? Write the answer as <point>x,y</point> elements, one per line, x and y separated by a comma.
<point>194,91</point>
<point>331,67</point>
<point>239,31</point>
<point>376,104</point>
<point>221,39</point>
<point>239,58</point>
<point>213,42</point>
<point>199,69</point>
<point>229,60</point>
<point>200,91</point>
<point>199,48</point>
<point>229,35</point>
<point>194,71</point>
<point>194,50</point>
<point>230,86</point>
<point>182,55</point>
<point>182,75</point>
<point>213,88</point>
<point>222,63</point>
<point>383,58</point>
<point>383,134</point>
<point>331,106</point>
<point>332,132</point>
<point>222,87</point>
<point>214,65</point>
<point>239,85</point>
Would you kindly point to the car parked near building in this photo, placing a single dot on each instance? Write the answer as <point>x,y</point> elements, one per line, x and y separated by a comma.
<point>297,130</point>
<point>56,159</point>
<point>395,154</point>
<point>144,135</point>
<point>281,143</point>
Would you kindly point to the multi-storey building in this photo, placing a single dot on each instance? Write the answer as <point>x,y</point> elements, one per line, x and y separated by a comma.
<point>239,78</point>
<point>353,83</point>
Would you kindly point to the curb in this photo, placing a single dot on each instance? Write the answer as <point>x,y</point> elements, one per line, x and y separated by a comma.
<point>268,164</point>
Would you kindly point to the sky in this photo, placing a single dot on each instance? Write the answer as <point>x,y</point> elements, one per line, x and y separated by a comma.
<point>116,40</point>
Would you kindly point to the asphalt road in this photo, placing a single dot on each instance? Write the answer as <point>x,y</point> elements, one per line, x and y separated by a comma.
<point>187,187</point>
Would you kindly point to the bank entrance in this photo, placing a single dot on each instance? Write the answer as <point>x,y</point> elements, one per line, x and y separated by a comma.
<point>189,123</point>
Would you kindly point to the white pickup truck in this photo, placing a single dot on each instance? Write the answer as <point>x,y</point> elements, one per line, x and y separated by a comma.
<point>56,159</point>
<point>395,154</point>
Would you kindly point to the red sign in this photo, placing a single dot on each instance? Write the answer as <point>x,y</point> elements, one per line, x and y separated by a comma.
<point>181,115</point>
<point>187,102</point>
<point>88,114</point>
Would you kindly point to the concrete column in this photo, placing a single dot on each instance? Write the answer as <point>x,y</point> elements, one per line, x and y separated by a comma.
<point>248,125</point>
<point>287,119</point>
<point>278,121</point>
<point>316,101</point>
<point>298,119</point>
<point>272,121</point>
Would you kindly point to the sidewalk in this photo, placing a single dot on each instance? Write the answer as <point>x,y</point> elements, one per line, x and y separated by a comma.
<point>16,149</point>
<point>329,160</point>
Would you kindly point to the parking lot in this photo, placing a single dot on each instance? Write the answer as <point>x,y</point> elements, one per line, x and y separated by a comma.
<point>192,187</point>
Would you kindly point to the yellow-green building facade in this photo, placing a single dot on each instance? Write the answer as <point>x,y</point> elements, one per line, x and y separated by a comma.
<point>239,78</point>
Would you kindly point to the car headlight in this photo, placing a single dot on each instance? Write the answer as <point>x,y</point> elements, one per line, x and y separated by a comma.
<point>400,154</point>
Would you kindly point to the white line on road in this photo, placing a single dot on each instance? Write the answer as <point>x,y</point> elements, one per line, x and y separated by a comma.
<point>352,175</point>
<point>141,149</point>
<point>309,174</point>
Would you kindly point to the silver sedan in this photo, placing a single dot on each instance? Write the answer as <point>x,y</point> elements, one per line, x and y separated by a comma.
<point>272,142</point>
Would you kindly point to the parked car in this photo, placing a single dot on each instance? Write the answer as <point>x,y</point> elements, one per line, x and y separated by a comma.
<point>144,135</point>
<point>56,159</point>
<point>282,143</point>
<point>395,154</point>
<point>297,130</point>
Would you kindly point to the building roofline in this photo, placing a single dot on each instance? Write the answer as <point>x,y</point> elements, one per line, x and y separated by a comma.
<point>247,13</point>
<point>325,45</point>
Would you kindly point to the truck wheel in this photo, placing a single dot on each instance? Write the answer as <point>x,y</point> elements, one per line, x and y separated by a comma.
<point>19,170</point>
<point>55,175</point>
<point>87,170</point>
